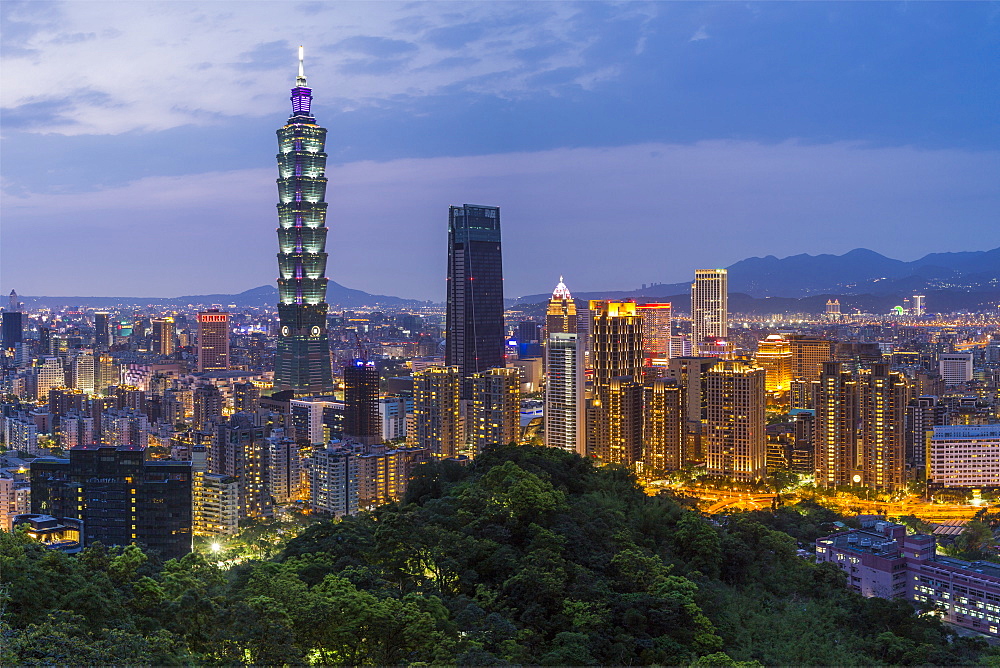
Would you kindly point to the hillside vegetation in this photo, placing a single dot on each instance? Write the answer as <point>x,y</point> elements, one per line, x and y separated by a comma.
<point>527,556</point>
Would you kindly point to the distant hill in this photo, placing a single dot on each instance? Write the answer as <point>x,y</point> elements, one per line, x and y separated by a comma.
<point>957,281</point>
<point>265,295</point>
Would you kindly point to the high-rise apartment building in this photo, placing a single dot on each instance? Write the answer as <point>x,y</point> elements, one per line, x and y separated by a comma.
<point>565,393</point>
<point>83,369</point>
<point>51,373</point>
<point>690,373</point>
<point>809,353</point>
<point>120,495</point>
<point>884,396</point>
<point>616,354</point>
<point>302,361</point>
<point>215,504</point>
<point>436,412</point>
<point>495,411</point>
<point>735,441</point>
<point>165,336</point>
<point>663,426</point>
<point>835,428</point>
<point>923,413</point>
<point>240,450</point>
<point>709,306</point>
<point>213,340</point>
<point>333,473</point>
<point>656,326</point>
<point>474,320</point>
<point>560,318</point>
<point>361,418</point>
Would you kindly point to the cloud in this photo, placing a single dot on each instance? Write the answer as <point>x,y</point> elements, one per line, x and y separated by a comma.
<point>699,35</point>
<point>605,217</point>
<point>149,56</point>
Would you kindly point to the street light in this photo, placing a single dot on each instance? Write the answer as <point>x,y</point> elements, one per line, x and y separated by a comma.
<point>215,547</point>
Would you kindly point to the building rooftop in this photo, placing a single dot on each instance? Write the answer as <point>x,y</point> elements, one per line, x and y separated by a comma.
<point>865,541</point>
<point>984,567</point>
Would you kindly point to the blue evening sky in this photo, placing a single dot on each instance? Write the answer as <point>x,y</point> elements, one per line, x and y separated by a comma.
<point>624,142</point>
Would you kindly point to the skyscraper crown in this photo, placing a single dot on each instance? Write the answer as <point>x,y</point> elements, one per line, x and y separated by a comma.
<point>561,291</point>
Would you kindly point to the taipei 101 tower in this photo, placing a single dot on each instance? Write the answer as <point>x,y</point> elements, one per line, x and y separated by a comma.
<point>303,357</point>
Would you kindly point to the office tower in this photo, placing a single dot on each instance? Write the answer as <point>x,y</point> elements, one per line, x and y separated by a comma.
<point>884,396</point>
<point>436,410</point>
<point>835,427</point>
<point>240,450</point>
<point>213,340</point>
<point>663,426</point>
<point>833,309</point>
<point>955,368</point>
<point>302,361</point>
<point>11,329</point>
<point>809,353</point>
<point>207,406</point>
<point>615,353</point>
<point>333,487</point>
<point>923,413</point>
<point>106,372</point>
<point>474,320</point>
<point>528,331</point>
<point>735,441</point>
<point>565,393</point>
<point>120,496</point>
<point>102,330</point>
<point>165,337</point>
<point>495,412</point>
<point>656,322</point>
<point>774,355</point>
<point>709,306</point>
<point>919,305</point>
<point>51,373</point>
<point>561,318</point>
<point>964,455</point>
<point>690,374</point>
<point>84,371</point>
<point>361,419</point>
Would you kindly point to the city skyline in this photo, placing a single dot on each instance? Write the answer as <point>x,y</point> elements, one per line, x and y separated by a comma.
<point>433,107</point>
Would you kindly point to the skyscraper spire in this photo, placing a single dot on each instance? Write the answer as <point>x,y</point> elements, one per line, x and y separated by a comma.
<point>303,359</point>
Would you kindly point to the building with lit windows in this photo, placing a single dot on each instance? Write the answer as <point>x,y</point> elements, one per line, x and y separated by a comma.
<point>774,355</point>
<point>475,332</point>
<point>835,440</point>
<point>215,504</point>
<point>50,373</point>
<point>213,340</point>
<point>302,362</point>
<point>884,396</point>
<point>240,450</point>
<point>333,488</point>
<point>121,496</point>
<point>384,473</point>
<point>495,411</point>
<point>735,440</point>
<point>165,336</point>
<point>436,414</point>
<point>656,329</point>
<point>691,374</point>
<point>663,426</point>
<point>955,368</point>
<point>809,353</point>
<point>709,306</point>
<point>83,371</point>
<point>964,456</point>
<point>881,560</point>
<point>616,353</point>
<point>361,417</point>
<point>565,393</point>
<point>560,317</point>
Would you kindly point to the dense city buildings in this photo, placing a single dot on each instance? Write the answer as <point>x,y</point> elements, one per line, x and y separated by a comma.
<point>709,307</point>
<point>494,411</point>
<point>302,361</point>
<point>734,429</point>
<point>436,411</point>
<point>120,496</point>
<point>213,340</point>
<point>475,328</point>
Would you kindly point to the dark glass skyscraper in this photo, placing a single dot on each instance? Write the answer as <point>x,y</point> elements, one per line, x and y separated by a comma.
<point>303,357</point>
<point>475,329</point>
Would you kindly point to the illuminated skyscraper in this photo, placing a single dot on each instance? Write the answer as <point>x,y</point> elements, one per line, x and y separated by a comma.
<point>835,434</point>
<point>164,336</point>
<point>709,305</point>
<point>565,393</point>
<point>213,340</point>
<point>436,410</point>
<point>884,396</point>
<point>560,318</point>
<point>302,362</point>
<point>102,330</point>
<point>663,426</point>
<point>361,417</point>
<point>735,442</point>
<point>474,322</point>
<point>774,354</point>
<point>656,322</point>
<point>617,357</point>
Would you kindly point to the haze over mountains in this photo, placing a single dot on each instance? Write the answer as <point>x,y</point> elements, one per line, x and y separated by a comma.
<point>861,279</point>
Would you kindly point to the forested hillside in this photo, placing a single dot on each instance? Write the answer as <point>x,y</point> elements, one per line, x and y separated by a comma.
<point>528,556</point>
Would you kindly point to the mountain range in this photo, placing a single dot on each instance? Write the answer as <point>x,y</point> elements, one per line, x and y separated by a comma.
<point>867,280</point>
